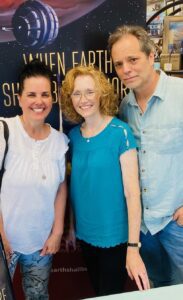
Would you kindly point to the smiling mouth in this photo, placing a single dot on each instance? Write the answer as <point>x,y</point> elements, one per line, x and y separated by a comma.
<point>85,107</point>
<point>38,110</point>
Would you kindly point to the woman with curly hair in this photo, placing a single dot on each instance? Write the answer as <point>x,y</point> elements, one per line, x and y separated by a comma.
<point>104,187</point>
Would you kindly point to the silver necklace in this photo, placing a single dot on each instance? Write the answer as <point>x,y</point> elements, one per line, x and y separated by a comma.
<point>94,131</point>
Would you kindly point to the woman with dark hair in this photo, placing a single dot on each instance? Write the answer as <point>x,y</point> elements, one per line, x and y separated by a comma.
<point>104,187</point>
<point>33,193</point>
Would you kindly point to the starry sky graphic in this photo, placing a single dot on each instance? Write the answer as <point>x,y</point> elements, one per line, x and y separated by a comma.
<point>90,32</point>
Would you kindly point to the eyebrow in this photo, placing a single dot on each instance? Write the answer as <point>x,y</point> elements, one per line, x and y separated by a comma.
<point>87,89</point>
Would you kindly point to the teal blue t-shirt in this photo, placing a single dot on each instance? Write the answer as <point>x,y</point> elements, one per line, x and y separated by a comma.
<point>97,192</point>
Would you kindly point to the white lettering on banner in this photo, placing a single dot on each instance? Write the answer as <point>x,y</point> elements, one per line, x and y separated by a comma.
<point>55,60</point>
<point>10,92</point>
<point>58,62</point>
<point>3,294</point>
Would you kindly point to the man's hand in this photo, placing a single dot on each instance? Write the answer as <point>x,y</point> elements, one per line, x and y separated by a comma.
<point>178,216</point>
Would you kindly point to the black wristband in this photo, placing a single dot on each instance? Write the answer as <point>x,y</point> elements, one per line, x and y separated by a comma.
<point>135,245</point>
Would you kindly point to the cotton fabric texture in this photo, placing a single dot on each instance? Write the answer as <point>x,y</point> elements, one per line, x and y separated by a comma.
<point>34,170</point>
<point>97,192</point>
<point>159,137</point>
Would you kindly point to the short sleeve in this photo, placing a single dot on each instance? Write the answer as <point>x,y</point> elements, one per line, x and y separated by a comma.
<point>62,160</point>
<point>62,168</point>
<point>72,136</point>
<point>66,139</point>
<point>127,139</point>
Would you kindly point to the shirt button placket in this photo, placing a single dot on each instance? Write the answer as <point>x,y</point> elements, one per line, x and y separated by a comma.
<point>35,156</point>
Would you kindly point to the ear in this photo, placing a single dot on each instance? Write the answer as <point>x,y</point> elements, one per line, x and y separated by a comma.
<point>151,58</point>
<point>19,100</point>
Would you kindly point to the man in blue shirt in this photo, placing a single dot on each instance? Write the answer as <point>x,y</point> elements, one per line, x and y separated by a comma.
<point>154,110</point>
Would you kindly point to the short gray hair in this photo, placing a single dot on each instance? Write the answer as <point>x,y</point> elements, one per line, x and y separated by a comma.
<point>146,44</point>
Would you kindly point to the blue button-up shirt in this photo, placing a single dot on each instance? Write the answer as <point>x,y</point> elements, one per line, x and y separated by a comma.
<point>159,136</point>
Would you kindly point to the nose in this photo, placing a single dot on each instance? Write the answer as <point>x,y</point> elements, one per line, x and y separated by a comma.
<point>83,97</point>
<point>39,100</point>
<point>126,68</point>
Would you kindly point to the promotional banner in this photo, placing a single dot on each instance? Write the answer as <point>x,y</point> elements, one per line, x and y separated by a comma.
<point>63,34</point>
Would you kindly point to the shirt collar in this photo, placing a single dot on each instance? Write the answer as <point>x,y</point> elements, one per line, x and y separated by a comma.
<point>158,93</point>
<point>161,86</point>
<point>131,98</point>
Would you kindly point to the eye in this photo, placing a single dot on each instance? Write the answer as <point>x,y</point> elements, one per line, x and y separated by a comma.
<point>133,60</point>
<point>118,65</point>
<point>90,92</point>
<point>76,95</point>
<point>46,95</point>
<point>31,95</point>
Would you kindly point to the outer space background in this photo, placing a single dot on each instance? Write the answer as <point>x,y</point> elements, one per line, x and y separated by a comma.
<point>83,26</point>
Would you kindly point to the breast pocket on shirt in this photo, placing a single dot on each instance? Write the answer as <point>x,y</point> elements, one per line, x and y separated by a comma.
<point>169,140</point>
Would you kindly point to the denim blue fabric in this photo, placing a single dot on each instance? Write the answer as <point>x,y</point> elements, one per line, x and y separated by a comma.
<point>96,187</point>
<point>35,271</point>
<point>163,255</point>
<point>159,137</point>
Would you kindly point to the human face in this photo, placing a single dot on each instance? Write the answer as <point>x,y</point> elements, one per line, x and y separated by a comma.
<point>36,98</point>
<point>85,97</point>
<point>133,66</point>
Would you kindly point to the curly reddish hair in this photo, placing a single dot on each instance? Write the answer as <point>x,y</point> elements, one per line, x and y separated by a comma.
<point>108,99</point>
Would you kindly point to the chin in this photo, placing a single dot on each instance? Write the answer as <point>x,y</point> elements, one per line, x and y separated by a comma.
<point>132,85</point>
<point>40,118</point>
<point>85,114</point>
<point>42,115</point>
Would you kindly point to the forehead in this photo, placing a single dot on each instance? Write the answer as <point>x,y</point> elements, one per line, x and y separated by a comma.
<point>84,81</point>
<point>128,45</point>
<point>36,81</point>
